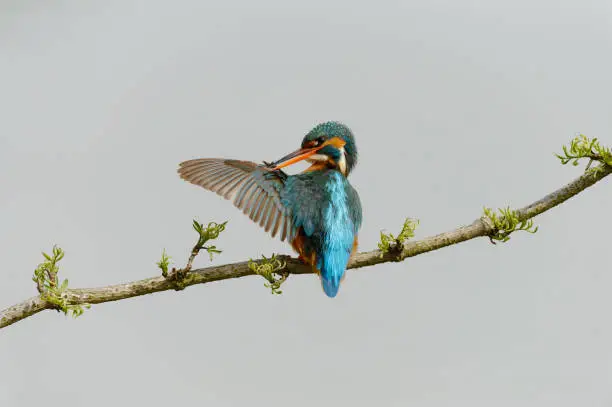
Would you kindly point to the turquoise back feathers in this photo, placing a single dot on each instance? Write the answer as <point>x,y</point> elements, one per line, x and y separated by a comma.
<point>328,210</point>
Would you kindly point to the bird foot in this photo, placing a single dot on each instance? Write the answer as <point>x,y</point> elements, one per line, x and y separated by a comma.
<point>282,175</point>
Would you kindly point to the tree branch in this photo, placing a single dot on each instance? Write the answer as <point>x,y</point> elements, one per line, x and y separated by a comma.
<point>479,228</point>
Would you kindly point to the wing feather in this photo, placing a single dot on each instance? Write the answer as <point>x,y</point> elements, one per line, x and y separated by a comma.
<point>277,224</point>
<point>245,192</point>
<point>220,187</point>
<point>252,202</point>
<point>272,215</point>
<point>283,228</point>
<point>256,208</point>
<point>259,208</point>
<point>265,214</point>
<point>249,186</point>
<point>231,188</point>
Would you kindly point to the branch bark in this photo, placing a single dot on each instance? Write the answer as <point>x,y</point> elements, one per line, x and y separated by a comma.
<point>479,228</point>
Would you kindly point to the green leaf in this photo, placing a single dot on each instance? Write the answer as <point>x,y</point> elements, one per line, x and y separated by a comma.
<point>197,226</point>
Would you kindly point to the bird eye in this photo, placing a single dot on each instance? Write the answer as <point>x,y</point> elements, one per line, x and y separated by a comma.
<point>319,141</point>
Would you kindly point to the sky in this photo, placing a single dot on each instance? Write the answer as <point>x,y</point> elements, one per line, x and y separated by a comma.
<point>455,105</point>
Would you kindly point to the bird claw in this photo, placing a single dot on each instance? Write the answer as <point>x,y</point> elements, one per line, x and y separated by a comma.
<point>282,175</point>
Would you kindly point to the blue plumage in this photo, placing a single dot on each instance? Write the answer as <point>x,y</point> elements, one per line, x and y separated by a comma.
<point>328,210</point>
<point>318,211</point>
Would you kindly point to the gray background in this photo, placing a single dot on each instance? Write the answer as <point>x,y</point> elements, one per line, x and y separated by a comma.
<point>455,105</point>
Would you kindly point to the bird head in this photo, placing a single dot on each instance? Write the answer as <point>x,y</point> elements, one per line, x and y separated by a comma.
<point>329,144</point>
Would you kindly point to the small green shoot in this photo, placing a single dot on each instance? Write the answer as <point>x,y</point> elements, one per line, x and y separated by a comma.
<point>270,269</point>
<point>583,147</point>
<point>49,287</point>
<point>389,243</point>
<point>164,263</point>
<point>507,222</point>
<point>207,233</point>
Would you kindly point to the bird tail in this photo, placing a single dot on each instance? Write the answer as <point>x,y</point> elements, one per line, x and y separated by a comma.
<point>333,269</point>
<point>330,266</point>
<point>330,285</point>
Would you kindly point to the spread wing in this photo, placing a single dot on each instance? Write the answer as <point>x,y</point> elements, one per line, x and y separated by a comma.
<point>253,188</point>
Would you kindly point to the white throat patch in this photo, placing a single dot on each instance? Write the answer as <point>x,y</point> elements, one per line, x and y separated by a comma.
<point>342,161</point>
<point>315,158</point>
<point>318,158</point>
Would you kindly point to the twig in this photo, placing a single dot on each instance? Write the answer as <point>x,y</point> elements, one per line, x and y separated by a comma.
<point>479,228</point>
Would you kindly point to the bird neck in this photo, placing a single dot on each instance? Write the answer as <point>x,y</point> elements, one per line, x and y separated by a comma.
<point>324,165</point>
<point>317,166</point>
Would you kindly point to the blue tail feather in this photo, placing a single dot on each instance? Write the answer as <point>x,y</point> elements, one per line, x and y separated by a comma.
<point>333,267</point>
<point>330,287</point>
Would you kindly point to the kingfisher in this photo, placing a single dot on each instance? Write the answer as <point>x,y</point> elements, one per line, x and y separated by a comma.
<point>317,211</point>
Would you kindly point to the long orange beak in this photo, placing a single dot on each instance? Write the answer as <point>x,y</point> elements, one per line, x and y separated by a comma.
<point>294,157</point>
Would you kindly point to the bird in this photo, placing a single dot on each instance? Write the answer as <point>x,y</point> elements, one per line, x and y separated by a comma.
<point>317,211</point>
